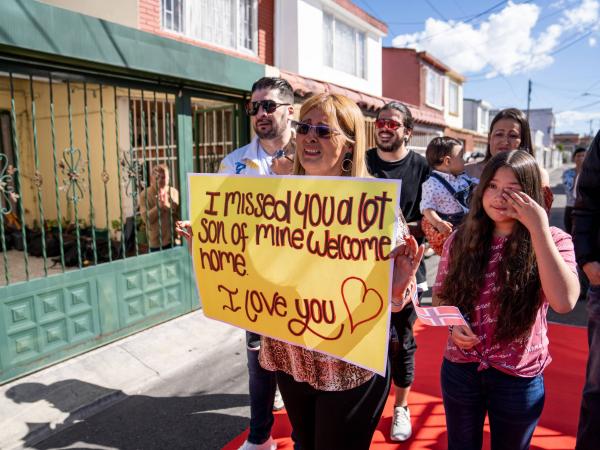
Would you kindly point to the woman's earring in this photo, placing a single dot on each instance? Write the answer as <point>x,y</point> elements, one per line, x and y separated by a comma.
<point>347,162</point>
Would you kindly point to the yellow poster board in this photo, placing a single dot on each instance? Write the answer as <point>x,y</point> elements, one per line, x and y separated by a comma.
<point>300,259</point>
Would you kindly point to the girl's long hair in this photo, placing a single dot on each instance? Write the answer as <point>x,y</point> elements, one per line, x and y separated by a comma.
<point>518,297</point>
<point>344,115</point>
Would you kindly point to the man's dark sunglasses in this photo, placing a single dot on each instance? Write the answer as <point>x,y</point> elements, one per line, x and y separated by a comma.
<point>322,131</point>
<point>269,106</point>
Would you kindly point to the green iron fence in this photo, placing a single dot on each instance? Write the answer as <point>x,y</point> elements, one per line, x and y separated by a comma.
<point>77,155</point>
<point>76,159</point>
<point>216,131</point>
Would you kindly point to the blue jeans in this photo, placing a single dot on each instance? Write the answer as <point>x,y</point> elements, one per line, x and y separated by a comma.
<point>513,404</point>
<point>588,432</point>
<point>261,386</point>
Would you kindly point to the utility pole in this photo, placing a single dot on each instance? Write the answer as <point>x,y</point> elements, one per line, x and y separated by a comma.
<point>528,98</point>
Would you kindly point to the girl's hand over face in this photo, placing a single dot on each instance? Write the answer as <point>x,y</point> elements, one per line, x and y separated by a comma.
<point>523,208</point>
<point>463,337</point>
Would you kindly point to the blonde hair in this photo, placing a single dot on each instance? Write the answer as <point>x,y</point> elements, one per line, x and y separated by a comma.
<point>344,115</point>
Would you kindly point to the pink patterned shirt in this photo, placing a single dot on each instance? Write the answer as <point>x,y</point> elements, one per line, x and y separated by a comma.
<point>526,357</point>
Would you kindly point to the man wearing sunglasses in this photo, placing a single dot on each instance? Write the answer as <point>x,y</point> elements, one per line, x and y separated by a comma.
<point>393,160</point>
<point>270,152</point>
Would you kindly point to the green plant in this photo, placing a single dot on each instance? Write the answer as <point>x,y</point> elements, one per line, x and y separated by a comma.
<point>117,225</point>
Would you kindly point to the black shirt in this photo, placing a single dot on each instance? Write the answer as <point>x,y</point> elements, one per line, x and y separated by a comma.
<point>413,170</point>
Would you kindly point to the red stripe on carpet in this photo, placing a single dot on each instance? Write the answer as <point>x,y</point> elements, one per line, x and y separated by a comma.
<point>564,380</point>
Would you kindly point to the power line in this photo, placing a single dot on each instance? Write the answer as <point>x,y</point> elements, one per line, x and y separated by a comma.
<point>369,7</point>
<point>439,13</point>
<point>555,88</point>
<point>524,65</point>
<point>470,19</point>
<point>582,106</point>
<point>458,5</point>
<point>485,75</point>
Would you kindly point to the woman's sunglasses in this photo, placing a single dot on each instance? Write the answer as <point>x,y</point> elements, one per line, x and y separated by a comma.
<point>387,123</point>
<point>269,106</point>
<point>322,131</point>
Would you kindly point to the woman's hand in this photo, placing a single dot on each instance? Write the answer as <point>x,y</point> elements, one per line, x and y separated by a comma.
<point>463,337</point>
<point>526,210</point>
<point>407,257</point>
<point>183,228</point>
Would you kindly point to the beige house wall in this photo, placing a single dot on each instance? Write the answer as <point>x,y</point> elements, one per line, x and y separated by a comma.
<point>89,176</point>
<point>123,12</point>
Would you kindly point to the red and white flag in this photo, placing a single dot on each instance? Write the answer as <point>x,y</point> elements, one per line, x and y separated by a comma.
<point>438,316</point>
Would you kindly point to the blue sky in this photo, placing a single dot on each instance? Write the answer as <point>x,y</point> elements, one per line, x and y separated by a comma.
<point>500,45</point>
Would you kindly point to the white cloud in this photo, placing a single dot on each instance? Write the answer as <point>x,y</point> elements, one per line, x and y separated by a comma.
<point>505,43</point>
<point>577,121</point>
<point>581,16</point>
<point>592,41</point>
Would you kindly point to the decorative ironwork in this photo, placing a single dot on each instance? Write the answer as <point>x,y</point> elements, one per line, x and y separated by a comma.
<point>37,179</point>
<point>74,180</point>
<point>131,175</point>
<point>7,187</point>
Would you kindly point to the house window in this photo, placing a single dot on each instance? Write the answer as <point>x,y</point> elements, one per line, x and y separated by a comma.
<point>344,47</point>
<point>172,15</point>
<point>483,120</point>
<point>227,23</point>
<point>453,98</point>
<point>434,88</point>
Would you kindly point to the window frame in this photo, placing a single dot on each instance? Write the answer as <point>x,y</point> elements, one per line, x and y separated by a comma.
<point>440,79</point>
<point>360,47</point>
<point>239,29</point>
<point>452,83</point>
<point>164,12</point>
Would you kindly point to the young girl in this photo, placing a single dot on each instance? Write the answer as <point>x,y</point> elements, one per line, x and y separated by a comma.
<point>502,268</point>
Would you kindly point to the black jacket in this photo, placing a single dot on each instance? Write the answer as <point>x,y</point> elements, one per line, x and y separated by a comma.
<point>586,215</point>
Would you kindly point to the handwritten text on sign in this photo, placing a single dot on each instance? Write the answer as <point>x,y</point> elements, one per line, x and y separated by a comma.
<point>301,259</point>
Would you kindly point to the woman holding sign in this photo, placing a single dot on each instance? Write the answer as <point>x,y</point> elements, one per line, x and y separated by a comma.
<point>331,403</point>
<point>502,268</point>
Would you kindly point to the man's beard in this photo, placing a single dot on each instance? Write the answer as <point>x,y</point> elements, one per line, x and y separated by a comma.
<point>277,129</point>
<point>390,146</point>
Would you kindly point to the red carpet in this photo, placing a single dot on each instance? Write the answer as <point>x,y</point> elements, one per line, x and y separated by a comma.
<point>558,425</point>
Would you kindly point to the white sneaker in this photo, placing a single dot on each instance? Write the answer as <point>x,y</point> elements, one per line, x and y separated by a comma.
<point>269,444</point>
<point>401,428</point>
<point>278,403</point>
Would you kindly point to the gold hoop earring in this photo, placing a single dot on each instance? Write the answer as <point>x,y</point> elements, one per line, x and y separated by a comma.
<point>347,163</point>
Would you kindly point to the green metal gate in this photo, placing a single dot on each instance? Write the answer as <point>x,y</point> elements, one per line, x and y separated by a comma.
<point>77,153</point>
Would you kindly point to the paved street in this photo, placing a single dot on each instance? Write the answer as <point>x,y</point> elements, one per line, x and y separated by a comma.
<point>205,405</point>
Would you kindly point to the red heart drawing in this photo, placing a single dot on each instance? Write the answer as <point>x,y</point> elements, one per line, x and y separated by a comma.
<point>357,306</point>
